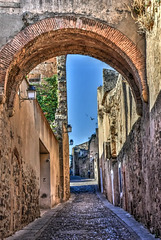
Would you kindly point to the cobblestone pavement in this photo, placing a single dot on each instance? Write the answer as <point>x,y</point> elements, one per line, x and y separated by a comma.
<point>86,218</point>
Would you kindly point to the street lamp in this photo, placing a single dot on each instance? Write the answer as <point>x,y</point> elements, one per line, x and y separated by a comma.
<point>68,129</point>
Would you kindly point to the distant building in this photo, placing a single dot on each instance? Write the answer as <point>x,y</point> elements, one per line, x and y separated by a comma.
<point>85,158</point>
<point>77,152</point>
<point>44,70</point>
<point>93,155</point>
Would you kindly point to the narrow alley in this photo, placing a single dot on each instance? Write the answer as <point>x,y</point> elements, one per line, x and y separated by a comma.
<point>87,215</point>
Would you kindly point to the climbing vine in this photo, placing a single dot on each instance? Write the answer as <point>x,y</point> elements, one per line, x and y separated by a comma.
<point>143,12</point>
<point>47,96</point>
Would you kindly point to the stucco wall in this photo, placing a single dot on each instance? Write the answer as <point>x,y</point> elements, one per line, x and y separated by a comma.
<point>20,164</point>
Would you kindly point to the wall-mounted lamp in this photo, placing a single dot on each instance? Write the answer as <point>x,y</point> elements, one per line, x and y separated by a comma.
<point>31,94</point>
<point>71,142</point>
<point>69,128</point>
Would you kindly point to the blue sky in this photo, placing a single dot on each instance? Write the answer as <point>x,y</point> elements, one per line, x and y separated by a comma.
<point>84,75</point>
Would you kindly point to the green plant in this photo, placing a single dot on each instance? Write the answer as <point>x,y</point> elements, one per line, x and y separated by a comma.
<point>47,96</point>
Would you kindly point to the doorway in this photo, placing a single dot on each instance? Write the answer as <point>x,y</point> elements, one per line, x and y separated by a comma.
<point>45,200</point>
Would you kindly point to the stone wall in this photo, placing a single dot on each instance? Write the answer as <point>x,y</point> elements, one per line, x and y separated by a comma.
<point>60,123</point>
<point>130,152</point>
<point>152,127</point>
<point>140,163</point>
<point>152,157</point>
<point>153,53</point>
<point>20,164</point>
<point>116,116</point>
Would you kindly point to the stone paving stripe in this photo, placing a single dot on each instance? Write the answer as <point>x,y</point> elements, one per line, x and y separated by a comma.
<point>129,220</point>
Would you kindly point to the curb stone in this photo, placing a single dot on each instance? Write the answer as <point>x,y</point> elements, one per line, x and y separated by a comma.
<point>128,220</point>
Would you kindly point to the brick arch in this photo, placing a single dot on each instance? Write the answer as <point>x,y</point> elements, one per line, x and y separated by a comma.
<point>64,35</point>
